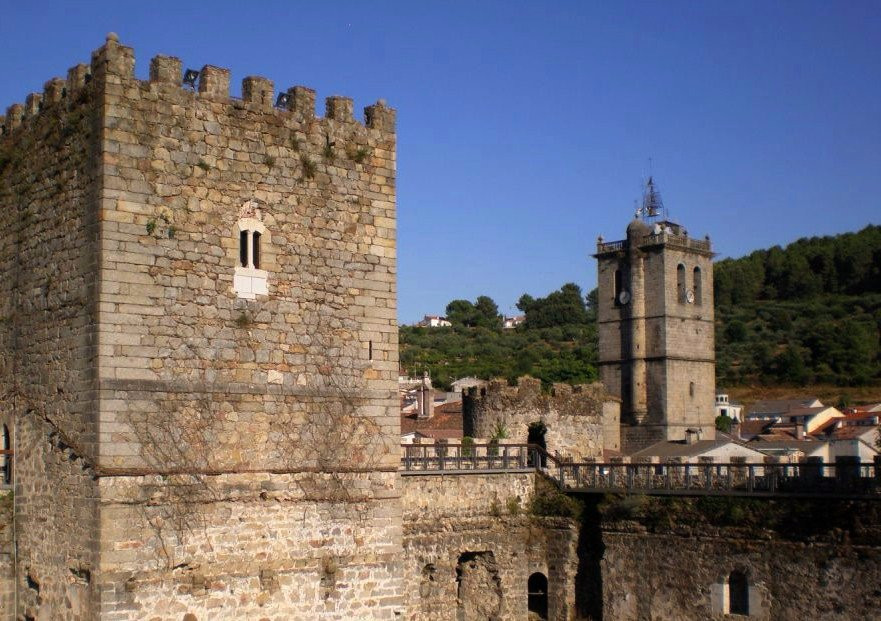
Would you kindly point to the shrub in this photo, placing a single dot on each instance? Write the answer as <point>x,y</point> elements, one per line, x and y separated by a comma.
<point>549,501</point>
<point>513,505</point>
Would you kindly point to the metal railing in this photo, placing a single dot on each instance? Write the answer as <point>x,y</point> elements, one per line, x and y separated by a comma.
<point>452,458</point>
<point>846,477</point>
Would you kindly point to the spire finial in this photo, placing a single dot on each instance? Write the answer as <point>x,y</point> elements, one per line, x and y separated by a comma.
<point>652,205</point>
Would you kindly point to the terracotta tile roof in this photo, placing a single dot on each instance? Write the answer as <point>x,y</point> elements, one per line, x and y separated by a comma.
<point>780,406</point>
<point>445,424</point>
<point>869,407</point>
<point>862,416</point>
<point>852,432</point>
<point>750,428</point>
<point>783,433</point>
<point>679,448</point>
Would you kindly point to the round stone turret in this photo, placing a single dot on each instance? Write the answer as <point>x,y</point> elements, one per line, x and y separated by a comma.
<point>637,229</point>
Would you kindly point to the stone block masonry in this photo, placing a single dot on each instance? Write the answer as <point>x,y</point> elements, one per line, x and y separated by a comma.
<point>185,447</point>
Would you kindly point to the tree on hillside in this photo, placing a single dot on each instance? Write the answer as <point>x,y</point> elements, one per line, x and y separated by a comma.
<point>483,313</point>
<point>560,308</point>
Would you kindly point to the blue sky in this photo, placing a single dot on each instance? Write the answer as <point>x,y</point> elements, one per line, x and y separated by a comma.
<point>526,129</point>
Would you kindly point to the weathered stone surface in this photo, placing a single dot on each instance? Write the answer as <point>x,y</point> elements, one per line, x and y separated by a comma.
<point>580,420</point>
<point>646,576</point>
<point>182,450</point>
<point>470,546</point>
<point>656,348</point>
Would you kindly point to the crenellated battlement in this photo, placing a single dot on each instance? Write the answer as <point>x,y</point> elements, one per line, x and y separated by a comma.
<point>114,64</point>
<point>581,399</point>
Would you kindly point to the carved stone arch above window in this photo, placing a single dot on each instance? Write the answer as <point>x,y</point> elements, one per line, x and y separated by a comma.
<point>251,276</point>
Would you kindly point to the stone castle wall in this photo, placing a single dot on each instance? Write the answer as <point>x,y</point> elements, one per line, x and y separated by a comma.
<point>469,556</point>
<point>580,420</point>
<point>182,449</point>
<point>661,576</point>
<point>49,183</point>
<point>464,560</point>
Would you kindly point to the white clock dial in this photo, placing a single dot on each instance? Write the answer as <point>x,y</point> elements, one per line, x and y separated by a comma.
<point>689,297</point>
<point>624,297</point>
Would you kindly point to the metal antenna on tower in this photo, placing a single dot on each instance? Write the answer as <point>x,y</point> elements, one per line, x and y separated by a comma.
<point>652,205</point>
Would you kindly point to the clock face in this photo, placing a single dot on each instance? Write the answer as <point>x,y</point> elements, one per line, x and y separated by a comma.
<point>624,297</point>
<point>689,296</point>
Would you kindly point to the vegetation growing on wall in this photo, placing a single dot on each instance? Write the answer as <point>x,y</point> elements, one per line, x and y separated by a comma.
<point>761,518</point>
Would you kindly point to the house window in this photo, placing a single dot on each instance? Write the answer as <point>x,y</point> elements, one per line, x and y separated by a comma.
<point>250,279</point>
<point>680,283</point>
<point>738,594</point>
<point>698,288</point>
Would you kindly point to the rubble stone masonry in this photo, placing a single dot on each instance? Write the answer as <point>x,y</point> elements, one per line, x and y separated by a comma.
<point>471,545</point>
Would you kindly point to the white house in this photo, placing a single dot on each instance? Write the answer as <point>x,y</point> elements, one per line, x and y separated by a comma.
<point>434,321</point>
<point>724,407</point>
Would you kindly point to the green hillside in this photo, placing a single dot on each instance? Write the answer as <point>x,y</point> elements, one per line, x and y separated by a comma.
<point>557,343</point>
<point>806,314</point>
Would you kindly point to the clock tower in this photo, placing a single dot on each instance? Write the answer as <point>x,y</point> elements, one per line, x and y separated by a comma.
<point>655,323</point>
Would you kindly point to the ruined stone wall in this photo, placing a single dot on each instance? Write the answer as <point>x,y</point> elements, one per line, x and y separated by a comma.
<point>470,548</point>
<point>636,558</point>
<point>240,456</point>
<point>577,418</point>
<point>49,182</point>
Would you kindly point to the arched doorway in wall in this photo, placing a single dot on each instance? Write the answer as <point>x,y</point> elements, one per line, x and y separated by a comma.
<point>6,458</point>
<point>738,593</point>
<point>537,589</point>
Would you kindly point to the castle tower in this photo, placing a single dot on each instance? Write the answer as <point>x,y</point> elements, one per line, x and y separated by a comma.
<point>656,337</point>
<point>199,348</point>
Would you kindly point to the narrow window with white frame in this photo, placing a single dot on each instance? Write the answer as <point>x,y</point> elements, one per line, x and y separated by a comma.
<point>249,279</point>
